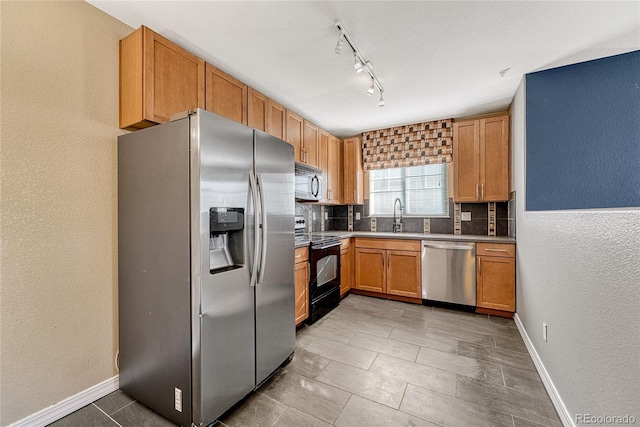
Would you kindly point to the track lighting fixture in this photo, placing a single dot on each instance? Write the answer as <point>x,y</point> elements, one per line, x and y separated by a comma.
<point>357,65</point>
<point>360,64</point>
<point>340,44</point>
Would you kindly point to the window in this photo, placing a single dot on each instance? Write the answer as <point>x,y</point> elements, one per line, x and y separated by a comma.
<point>422,190</point>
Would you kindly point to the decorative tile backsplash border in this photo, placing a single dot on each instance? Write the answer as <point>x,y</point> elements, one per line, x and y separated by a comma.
<point>457,218</point>
<point>492,218</point>
<point>350,218</point>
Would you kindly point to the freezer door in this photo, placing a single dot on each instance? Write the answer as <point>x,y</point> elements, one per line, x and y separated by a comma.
<point>223,298</point>
<point>275,323</point>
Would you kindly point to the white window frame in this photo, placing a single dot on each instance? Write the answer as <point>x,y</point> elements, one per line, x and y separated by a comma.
<point>443,176</point>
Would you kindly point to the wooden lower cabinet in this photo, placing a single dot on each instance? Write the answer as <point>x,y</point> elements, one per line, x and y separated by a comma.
<point>346,266</point>
<point>371,270</point>
<point>404,274</point>
<point>301,285</point>
<point>496,277</point>
<point>391,267</point>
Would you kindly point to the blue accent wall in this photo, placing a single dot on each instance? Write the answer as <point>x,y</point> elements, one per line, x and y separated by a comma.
<point>583,135</point>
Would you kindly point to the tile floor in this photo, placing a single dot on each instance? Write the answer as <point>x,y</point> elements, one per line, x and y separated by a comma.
<point>373,362</point>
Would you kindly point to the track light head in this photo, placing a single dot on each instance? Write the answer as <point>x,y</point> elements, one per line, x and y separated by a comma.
<point>381,102</point>
<point>340,44</point>
<point>371,88</point>
<point>357,65</point>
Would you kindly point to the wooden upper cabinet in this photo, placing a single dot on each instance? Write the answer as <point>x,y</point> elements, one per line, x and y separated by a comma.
<point>335,171</point>
<point>353,179</point>
<point>466,157</point>
<point>257,110</point>
<point>481,160</point>
<point>323,162</point>
<point>294,134</point>
<point>310,136</point>
<point>276,119</point>
<point>225,95</point>
<point>494,159</point>
<point>157,79</point>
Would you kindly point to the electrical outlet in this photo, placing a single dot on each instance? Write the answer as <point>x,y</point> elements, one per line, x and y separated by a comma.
<point>544,332</point>
<point>357,216</point>
<point>178,399</point>
<point>466,216</point>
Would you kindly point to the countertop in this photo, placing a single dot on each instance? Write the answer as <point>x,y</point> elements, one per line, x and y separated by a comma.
<point>414,236</point>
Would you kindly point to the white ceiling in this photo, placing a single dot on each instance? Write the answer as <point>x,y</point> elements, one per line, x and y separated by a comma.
<point>435,59</point>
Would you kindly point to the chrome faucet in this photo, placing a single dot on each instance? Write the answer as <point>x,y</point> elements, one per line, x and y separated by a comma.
<point>397,226</point>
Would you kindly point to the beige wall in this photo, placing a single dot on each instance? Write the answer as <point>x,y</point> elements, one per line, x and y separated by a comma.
<point>58,201</point>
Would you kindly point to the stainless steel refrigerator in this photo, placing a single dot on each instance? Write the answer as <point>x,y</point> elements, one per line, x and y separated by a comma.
<point>205,260</point>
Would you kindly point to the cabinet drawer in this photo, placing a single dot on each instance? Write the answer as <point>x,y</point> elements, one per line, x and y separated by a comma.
<point>392,244</point>
<point>496,249</point>
<point>302,255</point>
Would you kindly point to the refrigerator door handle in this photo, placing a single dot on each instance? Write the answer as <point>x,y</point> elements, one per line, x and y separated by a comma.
<point>263,227</point>
<point>256,219</point>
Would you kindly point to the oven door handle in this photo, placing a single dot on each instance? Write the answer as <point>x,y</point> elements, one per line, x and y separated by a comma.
<point>327,246</point>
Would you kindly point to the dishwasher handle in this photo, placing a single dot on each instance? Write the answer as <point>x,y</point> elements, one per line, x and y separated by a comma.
<point>457,247</point>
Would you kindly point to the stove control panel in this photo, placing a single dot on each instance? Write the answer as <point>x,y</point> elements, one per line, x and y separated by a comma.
<point>300,222</point>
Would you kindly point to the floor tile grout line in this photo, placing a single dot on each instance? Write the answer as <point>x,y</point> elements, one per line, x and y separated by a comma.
<point>125,406</point>
<point>513,420</point>
<point>503,379</point>
<point>107,415</point>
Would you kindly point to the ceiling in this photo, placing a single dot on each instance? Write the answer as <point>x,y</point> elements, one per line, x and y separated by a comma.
<point>435,59</point>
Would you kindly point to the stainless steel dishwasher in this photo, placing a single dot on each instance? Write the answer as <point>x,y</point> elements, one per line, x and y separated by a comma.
<point>449,272</point>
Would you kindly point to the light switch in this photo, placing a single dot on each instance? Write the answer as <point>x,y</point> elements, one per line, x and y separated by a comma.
<point>466,216</point>
<point>357,216</point>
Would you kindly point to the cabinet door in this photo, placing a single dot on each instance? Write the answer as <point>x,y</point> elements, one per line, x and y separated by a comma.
<point>334,187</point>
<point>495,279</point>
<point>157,79</point>
<point>310,137</point>
<point>466,160</point>
<point>225,95</point>
<point>345,266</point>
<point>294,134</point>
<point>323,162</point>
<point>276,118</point>
<point>494,159</point>
<point>257,108</point>
<point>301,294</point>
<point>353,174</point>
<point>371,274</point>
<point>404,274</point>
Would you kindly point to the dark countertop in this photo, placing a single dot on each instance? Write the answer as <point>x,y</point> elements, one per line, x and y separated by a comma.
<point>417,236</point>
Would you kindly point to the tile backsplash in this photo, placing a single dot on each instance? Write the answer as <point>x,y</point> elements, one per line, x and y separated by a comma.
<point>479,223</point>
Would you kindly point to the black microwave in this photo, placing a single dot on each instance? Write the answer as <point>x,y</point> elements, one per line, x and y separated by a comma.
<point>308,183</point>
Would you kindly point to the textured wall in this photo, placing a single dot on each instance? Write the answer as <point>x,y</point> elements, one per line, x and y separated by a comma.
<point>578,271</point>
<point>59,115</point>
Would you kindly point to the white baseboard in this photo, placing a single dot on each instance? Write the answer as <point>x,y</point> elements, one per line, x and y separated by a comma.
<point>561,409</point>
<point>70,404</point>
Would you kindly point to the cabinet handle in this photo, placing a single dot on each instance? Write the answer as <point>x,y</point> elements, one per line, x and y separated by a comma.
<point>477,192</point>
<point>298,256</point>
<point>482,192</point>
<point>496,250</point>
<point>388,257</point>
<point>479,265</point>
